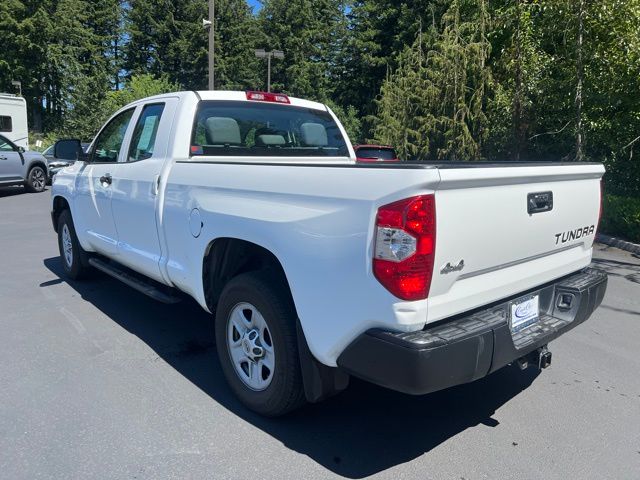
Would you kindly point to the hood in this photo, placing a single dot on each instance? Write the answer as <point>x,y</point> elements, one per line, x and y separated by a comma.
<point>31,155</point>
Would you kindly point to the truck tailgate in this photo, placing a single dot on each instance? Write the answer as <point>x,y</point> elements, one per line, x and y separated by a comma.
<point>502,230</point>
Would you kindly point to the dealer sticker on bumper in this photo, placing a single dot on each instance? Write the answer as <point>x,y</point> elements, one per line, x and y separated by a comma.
<point>524,312</point>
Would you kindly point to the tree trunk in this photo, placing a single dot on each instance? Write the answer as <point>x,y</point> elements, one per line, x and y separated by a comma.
<point>36,108</point>
<point>116,64</point>
<point>580,80</point>
<point>517,97</point>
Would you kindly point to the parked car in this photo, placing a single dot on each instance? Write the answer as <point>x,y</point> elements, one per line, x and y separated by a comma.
<point>67,158</point>
<point>375,153</point>
<point>13,119</point>
<point>21,167</point>
<point>416,277</point>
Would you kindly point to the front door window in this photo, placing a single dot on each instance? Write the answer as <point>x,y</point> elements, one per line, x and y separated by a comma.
<point>107,146</point>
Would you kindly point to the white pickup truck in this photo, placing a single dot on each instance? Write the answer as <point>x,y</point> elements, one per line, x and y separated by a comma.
<point>414,276</point>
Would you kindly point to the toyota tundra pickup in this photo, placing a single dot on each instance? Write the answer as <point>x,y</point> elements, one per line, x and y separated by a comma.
<point>414,276</point>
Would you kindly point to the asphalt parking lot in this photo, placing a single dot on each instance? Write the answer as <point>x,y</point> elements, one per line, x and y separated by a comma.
<point>99,381</point>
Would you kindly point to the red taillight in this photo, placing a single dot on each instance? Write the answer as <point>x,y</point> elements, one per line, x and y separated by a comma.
<point>405,246</point>
<point>268,97</point>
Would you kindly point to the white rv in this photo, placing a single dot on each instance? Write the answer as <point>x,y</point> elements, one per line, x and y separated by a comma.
<point>13,119</point>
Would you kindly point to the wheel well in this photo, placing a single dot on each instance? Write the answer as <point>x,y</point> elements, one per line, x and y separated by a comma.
<point>38,164</point>
<point>226,258</point>
<point>60,204</point>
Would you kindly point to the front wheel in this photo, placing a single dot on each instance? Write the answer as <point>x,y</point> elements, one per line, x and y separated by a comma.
<point>36,179</point>
<point>257,343</point>
<point>74,258</point>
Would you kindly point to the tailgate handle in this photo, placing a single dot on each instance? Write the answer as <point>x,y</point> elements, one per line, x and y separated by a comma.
<point>539,202</point>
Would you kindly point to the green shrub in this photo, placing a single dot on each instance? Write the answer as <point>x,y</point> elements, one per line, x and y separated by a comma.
<point>621,217</point>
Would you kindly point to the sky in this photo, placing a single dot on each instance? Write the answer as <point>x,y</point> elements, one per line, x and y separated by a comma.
<point>255,4</point>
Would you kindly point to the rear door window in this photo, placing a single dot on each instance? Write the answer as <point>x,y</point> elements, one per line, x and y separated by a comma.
<point>144,135</point>
<point>235,128</point>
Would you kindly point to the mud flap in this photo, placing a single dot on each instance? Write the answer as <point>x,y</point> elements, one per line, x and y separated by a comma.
<point>319,381</point>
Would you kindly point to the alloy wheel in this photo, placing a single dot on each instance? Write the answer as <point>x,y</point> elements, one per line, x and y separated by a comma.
<point>37,179</point>
<point>67,246</point>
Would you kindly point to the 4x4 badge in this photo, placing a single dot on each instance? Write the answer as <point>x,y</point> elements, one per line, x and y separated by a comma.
<point>448,268</point>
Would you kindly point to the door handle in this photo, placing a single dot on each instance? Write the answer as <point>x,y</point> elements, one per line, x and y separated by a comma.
<point>3,158</point>
<point>539,202</point>
<point>106,179</point>
<point>156,185</point>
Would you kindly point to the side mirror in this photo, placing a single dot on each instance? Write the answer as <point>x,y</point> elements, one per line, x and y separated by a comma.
<point>21,150</point>
<point>68,149</point>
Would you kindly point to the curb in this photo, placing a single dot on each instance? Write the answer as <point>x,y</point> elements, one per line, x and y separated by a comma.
<point>616,242</point>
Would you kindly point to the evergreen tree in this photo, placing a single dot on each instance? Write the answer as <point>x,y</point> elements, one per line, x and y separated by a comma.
<point>106,22</point>
<point>310,32</point>
<point>611,84</point>
<point>401,106</point>
<point>238,35</point>
<point>56,49</point>
<point>442,79</point>
<point>167,38</point>
<point>379,31</point>
<point>26,29</point>
<point>439,92</point>
<point>519,69</point>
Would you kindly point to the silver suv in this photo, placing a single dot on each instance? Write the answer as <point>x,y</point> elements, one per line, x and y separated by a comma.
<point>20,167</point>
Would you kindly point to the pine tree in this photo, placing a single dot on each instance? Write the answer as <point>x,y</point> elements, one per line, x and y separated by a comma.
<point>239,34</point>
<point>310,32</point>
<point>167,38</point>
<point>106,22</point>
<point>401,106</point>
<point>439,92</point>
<point>379,31</point>
<point>58,52</point>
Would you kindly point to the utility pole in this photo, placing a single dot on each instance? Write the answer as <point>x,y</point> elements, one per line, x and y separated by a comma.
<point>260,53</point>
<point>211,25</point>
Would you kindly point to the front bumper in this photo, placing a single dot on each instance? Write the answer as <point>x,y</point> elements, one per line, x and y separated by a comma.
<point>472,345</point>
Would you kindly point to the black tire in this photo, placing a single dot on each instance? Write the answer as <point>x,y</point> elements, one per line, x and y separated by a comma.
<point>271,298</point>
<point>36,179</point>
<point>78,266</point>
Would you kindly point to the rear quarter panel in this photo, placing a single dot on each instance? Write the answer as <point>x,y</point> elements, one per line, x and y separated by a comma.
<point>317,220</point>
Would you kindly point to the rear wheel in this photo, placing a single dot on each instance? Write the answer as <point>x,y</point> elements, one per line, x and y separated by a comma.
<point>257,344</point>
<point>74,258</point>
<point>36,179</point>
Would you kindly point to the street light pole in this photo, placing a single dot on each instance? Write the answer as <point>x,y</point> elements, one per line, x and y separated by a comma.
<point>269,72</point>
<point>260,53</point>
<point>212,41</point>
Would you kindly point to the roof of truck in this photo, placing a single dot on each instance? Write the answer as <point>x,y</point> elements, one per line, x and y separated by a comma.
<point>235,95</point>
<point>239,95</point>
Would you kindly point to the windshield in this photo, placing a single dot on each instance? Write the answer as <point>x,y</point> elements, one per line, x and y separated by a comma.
<point>232,128</point>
